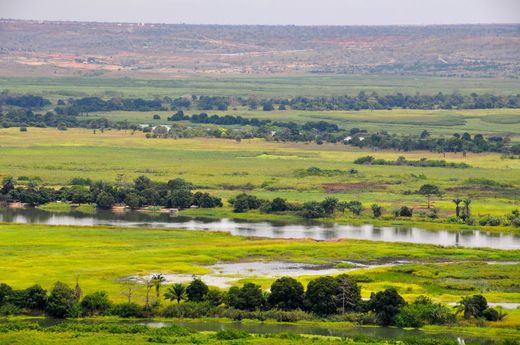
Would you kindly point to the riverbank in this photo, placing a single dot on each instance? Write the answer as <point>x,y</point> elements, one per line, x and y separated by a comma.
<point>296,330</point>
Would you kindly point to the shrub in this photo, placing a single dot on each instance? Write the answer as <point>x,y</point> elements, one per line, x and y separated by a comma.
<point>96,303</point>
<point>9,310</point>
<point>377,210</point>
<point>190,310</point>
<point>127,310</point>
<point>404,211</point>
<point>491,314</point>
<point>312,209</point>
<point>490,220</point>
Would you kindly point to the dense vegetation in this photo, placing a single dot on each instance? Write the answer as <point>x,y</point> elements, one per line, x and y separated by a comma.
<point>362,101</point>
<point>402,161</point>
<point>287,301</point>
<point>141,192</point>
<point>20,112</point>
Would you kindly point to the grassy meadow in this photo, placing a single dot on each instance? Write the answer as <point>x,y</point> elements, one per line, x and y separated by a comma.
<point>265,86</point>
<point>268,169</point>
<point>101,256</point>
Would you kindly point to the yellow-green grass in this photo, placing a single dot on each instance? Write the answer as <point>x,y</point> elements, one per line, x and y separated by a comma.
<point>65,207</point>
<point>100,256</point>
<point>216,165</point>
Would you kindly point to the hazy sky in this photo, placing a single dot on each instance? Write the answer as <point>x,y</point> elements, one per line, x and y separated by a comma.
<point>299,12</point>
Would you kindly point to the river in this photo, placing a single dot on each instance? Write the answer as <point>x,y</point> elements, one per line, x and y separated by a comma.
<point>303,229</point>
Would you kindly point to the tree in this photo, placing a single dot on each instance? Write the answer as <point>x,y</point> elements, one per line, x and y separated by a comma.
<point>348,294</point>
<point>157,280</point>
<point>214,297</point>
<point>196,290</point>
<point>248,297</point>
<point>176,292</point>
<point>142,182</point>
<point>472,306</point>
<point>377,210</point>
<point>404,211</point>
<point>8,184</point>
<point>180,198</point>
<point>105,200</point>
<point>320,296</point>
<point>312,209</point>
<point>244,202</point>
<point>96,303</point>
<point>386,304</point>
<point>240,205</point>
<point>429,190</point>
<point>268,106</point>
<point>179,183</point>
<point>286,294</point>
<point>5,293</point>
<point>329,205</point>
<point>457,202</point>
<point>133,200</point>
<point>279,205</point>
<point>62,302</point>
<point>34,298</point>
<point>356,207</point>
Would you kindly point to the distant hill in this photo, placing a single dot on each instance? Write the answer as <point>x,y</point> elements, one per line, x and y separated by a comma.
<point>123,49</point>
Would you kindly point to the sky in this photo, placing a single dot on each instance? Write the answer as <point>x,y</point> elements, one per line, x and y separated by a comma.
<point>271,12</point>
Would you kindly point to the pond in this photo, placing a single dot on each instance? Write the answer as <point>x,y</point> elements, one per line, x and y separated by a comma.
<point>303,229</point>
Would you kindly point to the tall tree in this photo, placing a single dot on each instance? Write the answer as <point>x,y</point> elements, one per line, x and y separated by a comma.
<point>457,202</point>
<point>157,280</point>
<point>176,292</point>
<point>429,190</point>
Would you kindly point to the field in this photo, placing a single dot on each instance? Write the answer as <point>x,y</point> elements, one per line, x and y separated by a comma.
<point>224,167</point>
<point>259,86</point>
<point>99,256</point>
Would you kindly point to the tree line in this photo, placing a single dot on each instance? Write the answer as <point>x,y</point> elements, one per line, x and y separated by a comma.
<point>176,193</point>
<point>324,297</point>
<point>361,101</point>
<point>402,161</point>
<point>313,131</point>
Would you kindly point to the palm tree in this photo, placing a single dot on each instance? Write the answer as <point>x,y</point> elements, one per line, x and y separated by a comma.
<point>467,211</point>
<point>176,292</point>
<point>467,307</point>
<point>457,202</point>
<point>157,280</point>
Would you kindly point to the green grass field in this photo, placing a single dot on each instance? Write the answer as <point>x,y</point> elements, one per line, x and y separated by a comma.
<point>222,166</point>
<point>266,86</point>
<point>101,256</point>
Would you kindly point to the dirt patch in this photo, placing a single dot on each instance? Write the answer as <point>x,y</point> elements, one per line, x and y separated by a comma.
<point>343,187</point>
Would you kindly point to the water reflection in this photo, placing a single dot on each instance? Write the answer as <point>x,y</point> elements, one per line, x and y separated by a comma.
<point>318,231</point>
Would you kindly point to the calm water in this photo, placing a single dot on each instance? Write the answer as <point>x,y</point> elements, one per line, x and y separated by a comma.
<point>318,231</point>
<point>263,328</point>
